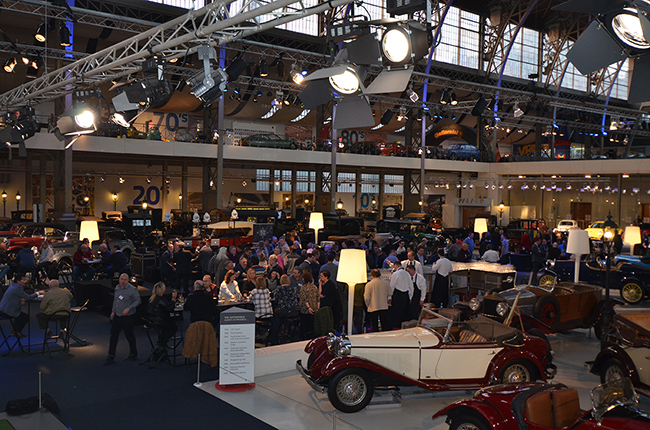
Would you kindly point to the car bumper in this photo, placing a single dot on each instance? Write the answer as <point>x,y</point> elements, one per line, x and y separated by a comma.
<point>307,377</point>
<point>550,371</point>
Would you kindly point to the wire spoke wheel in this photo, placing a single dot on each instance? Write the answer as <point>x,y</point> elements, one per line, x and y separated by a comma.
<point>632,292</point>
<point>516,373</point>
<point>351,390</point>
<point>546,280</point>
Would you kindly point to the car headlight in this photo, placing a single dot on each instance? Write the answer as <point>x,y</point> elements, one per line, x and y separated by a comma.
<point>332,343</point>
<point>345,346</point>
<point>474,304</point>
<point>502,309</point>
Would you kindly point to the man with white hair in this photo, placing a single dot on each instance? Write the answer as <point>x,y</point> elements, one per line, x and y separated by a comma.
<point>55,300</point>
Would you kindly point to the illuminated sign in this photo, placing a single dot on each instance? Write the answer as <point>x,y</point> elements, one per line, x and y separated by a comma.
<point>440,133</point>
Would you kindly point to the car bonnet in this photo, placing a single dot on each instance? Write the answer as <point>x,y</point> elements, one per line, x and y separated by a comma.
<point>409,338</point>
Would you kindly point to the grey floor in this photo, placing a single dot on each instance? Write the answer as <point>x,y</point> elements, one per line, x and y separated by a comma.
<point>286,401</point>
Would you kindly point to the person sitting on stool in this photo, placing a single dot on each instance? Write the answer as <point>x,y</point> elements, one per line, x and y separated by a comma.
<point>14,298</point>
<point>159,311</point>
<point>55,300</point>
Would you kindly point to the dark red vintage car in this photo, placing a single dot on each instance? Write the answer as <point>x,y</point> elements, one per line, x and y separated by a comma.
<point>438,354</point>
<point>33,234</point>
<point>537,406</point>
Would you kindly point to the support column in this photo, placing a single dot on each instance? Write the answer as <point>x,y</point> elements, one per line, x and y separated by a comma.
<point>184,186</point>
<point>380,199</point>
<point>26,202</point>
<point>357,192</point>
<point>42,194</point>
<point>272,185</point>
<point>293,192</point>
<point>335,145</point>
<point>220,143</point>
<point>164,190</point>
<point>67,183</point>
<point>209,192</point>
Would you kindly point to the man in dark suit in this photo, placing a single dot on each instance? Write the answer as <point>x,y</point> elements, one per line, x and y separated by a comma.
<point>183,261</point>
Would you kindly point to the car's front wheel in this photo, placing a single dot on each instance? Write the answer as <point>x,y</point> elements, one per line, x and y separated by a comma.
<point>546,280</point>
<point>350,390</point>
<point>612,371</point>
<point>516,372</point>
<point>632,292</point>
<point>468,422</point>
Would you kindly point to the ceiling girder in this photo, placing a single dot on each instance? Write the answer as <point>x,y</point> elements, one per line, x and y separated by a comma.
<point>212,24</point>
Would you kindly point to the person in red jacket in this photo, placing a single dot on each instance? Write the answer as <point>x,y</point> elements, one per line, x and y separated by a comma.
<point>82,269</point>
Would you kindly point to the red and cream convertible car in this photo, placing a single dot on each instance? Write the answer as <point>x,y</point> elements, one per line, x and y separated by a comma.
<point>535,406</point>
<point>438,354</point>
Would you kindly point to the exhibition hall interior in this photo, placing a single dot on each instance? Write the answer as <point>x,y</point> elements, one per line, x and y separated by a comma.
<point>352,214</point>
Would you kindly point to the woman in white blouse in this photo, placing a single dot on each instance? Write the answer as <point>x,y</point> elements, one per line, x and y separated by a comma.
<point>229,289</point>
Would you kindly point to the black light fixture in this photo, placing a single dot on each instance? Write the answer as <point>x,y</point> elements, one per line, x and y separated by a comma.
<point>235,68</point>
<point>64,34</point>
<point>264,68</point>
<point>77,121</point>
<point>41,32</point>
<point>479,107</point>
<point>453,99</point>
<point>297,75</point>
<point>10,65</point>
<point>386,117</point>
<point>444,96</point>
<point>404,43</point>
<point>18,197</point>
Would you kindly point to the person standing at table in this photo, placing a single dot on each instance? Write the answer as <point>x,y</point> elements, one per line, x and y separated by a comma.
<point>200,304</point>
<point>402,292</point>
<point>183,261</point>
<point>55,300</point>
<point>440,292</point>
<point>125,301</point>
<point>419,292</point>
<point>12,301</point>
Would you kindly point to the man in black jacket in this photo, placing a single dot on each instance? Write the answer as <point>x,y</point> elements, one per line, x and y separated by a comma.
<point>183,261</point>
<point>538,257</point>
<point>200,304</point>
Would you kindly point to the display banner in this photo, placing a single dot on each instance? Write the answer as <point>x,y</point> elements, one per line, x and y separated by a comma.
<point>237,347</point>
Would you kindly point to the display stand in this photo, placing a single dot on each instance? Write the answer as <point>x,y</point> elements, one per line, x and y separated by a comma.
<point>236,350</point>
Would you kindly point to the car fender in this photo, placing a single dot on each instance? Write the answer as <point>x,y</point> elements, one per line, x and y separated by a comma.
<point>634,278</point>
<point>347,362</point>
<point>505,356</point>
<point>476,407</point>
<point>617,352</point>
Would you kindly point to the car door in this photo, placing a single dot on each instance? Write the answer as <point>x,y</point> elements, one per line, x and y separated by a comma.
<point>641,358</point>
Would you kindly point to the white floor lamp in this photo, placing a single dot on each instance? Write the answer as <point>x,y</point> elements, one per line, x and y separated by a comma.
<point>316,222</point>
<point>352,270</point>
<point>578,244</point>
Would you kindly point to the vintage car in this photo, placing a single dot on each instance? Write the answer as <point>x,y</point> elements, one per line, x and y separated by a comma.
<point>439,353</point>
<point>33,234</point>
<point>597,229</point>
<point>629,273</point>
<point>407,230</point>
<point>461,151</point>
<point>392,149</point>
<point>536,406</point>
<point>269,141</point>
<point>553,308</point>
<point>566,225</point>
<point>627,349</point>
<point>63,251</point>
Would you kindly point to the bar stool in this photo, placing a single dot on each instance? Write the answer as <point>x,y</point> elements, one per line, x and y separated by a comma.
<point>61,319</point>
<point>6,337</point>
<point>69,331</point>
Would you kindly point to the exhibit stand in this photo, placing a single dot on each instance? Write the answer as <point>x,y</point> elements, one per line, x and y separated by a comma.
<point>236,350</point>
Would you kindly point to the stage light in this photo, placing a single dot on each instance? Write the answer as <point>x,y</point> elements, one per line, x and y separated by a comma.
<point>444,96</point>
<point>403,114</point>
<point>413,96</point>
<point>517,112</point>
<point>208,90</point>
<point>628,28</point>
<point>77,121</point>
<point>264,68</point>
<point>125,119</point>
<point>386,117</point>
<point>479,107</point>
<point>349,81</point>
<point>41,32</point>
<point>64,35</point>
<point>296,74</point>
<point>404,42</point>
<point>235,68</point>
<point>10,65</point>
<point>453,100</point>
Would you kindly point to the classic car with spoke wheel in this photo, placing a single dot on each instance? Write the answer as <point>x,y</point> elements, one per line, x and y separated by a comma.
<point>550,308</point>
<point>439,353</point>
<point>627,351</point>
<point>537,406</point>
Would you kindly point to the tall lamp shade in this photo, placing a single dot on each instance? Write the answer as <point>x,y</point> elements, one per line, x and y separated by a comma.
<point>632,236</point>
<point>577,244</point>
<point>89,230</point>
<point>352,270</point>
<point>480,226</point>
<point>316,222</point>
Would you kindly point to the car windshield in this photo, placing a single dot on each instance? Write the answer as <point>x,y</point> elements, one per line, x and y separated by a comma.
<point>597,225</point>
<point>566,223</point>
<point>608,396</point>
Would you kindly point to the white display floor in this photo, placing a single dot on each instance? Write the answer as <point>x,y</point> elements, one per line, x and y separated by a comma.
<point>284,400</point>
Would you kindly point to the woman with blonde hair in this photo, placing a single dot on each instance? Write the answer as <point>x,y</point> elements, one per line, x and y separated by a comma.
<point>159,310</point>
<point>229,289</point>
<point>263,261</point>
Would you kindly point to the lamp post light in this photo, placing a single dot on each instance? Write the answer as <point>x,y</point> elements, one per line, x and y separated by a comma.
<point>4,203</point>
<point>374,203</point>
<point>114,197</point>
<point>607,242</point>
<point>339,204</point>
<point>18,196</point>
<point>180,201</point>
<point>501,206</point>
<point>86,208</point>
